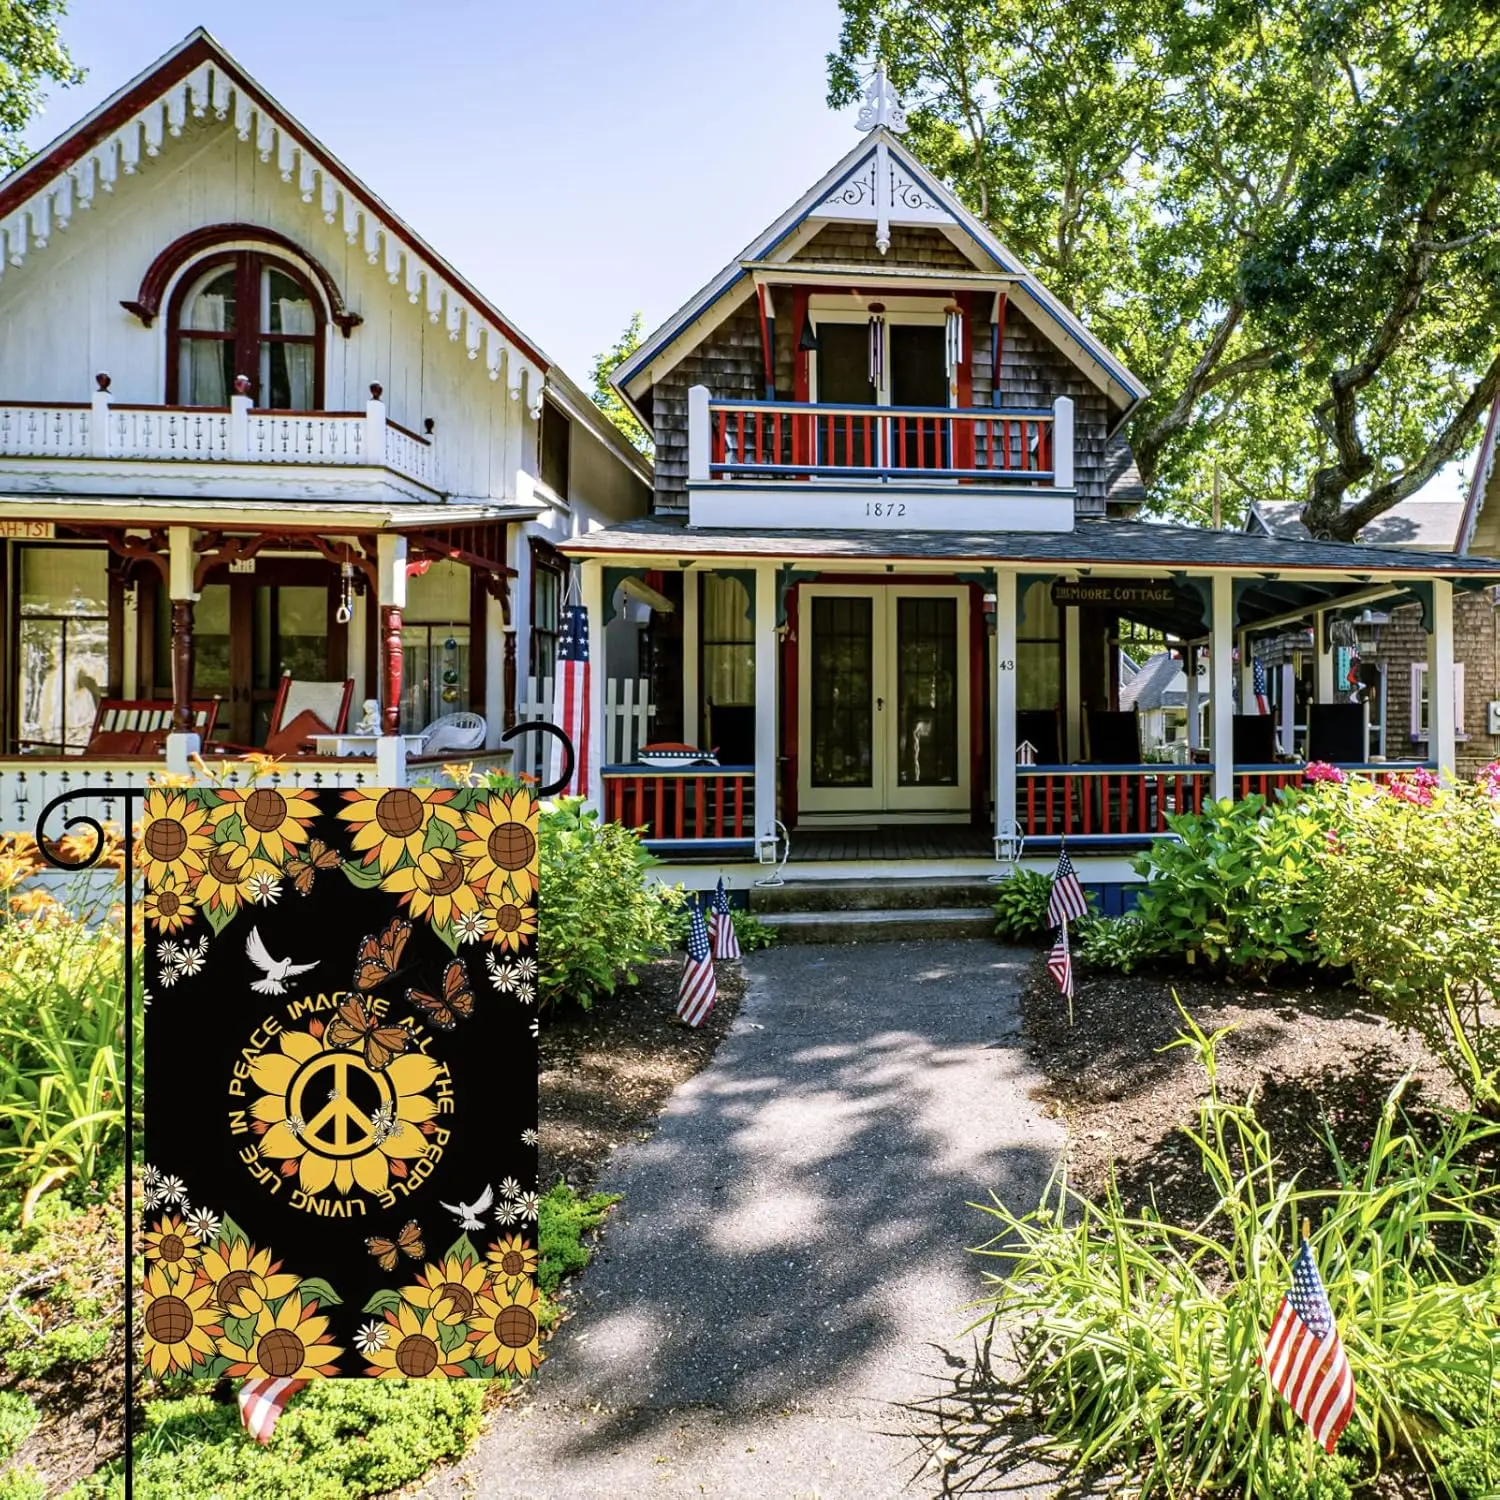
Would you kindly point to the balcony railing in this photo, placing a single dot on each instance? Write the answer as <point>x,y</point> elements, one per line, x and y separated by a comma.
<point>238,433</point>
<point>759,440</point>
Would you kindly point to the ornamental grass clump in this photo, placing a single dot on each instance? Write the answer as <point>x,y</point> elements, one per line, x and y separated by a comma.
<point>1120,1343</point>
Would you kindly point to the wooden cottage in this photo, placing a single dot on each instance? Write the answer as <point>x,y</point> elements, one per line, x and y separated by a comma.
<point>890,549</point>
<point>273,474</point>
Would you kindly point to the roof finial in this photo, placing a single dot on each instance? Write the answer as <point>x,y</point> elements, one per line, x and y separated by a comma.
<point>882,105</point>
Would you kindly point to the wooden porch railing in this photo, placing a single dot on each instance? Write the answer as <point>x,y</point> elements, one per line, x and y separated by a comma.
<point>691,805</point>
<point>1107,802</point>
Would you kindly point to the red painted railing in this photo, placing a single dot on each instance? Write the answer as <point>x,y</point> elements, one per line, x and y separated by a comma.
<point>707,804</point>
<point>788,439</point>
<point>1107,801</point>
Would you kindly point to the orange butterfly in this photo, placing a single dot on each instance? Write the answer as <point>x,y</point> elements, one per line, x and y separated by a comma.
<point>354,1025</point>
<point>408,1242</point>
<point>302,870</point>
<point>380,957</point>
<point>458,999</point>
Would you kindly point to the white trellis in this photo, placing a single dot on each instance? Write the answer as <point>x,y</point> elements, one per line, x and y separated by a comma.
<point>628,712</point>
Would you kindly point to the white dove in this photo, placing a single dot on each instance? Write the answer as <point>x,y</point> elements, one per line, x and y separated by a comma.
<point>277,969</point>
<point>468,1214</point>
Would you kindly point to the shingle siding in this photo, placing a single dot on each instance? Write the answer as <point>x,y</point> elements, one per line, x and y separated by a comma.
<point>855,244</point>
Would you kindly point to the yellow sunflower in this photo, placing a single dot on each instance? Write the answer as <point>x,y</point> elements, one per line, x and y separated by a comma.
<point>510,1257</point>
<point>243,1279</point>
<point>226,872</point>
<point>498,839</point>
<point>415,1348</point>
<point>180,1323</point>
<point>434,887</point>
<point>291,1344</point>
<point>513,920</point>
<point>393,821</point>
<point>449,1291</point>
<point>508,1332</point>
<point>173,838</point>
<point>274,819</point>
<point>331,1139</point>
<point>172,1244</point>
<point>170,907</point>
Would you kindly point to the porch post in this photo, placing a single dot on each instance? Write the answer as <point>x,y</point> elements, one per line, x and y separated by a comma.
<point>1221,684</point>
<point>1190,667</point>
<point>1004,736</point>
<point>1073,685</point>
<point>390,748</point>
<point>765,702</point>
<point>692,720</point>
<point>591,593</point>
<point>1442,718</point>
<point>183,742</point>
<point>1322,659</point>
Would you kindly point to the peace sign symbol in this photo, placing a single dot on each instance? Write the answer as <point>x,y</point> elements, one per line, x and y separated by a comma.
<point>340,1128</point>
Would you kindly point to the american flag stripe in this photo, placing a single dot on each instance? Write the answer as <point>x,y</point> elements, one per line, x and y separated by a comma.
<point>1305,1359</point>
<point>262,1402</point>
<point>726,943</point>
<point>1066,903</point>
<point>573,713</point>
<point>699,987</point>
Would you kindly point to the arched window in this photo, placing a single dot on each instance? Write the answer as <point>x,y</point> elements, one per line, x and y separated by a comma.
<point>246,313</point>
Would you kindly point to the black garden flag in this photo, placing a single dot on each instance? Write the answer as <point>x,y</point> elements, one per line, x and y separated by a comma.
<point>341,1098</point>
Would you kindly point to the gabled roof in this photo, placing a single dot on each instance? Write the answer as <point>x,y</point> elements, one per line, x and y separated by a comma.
<point>1485,483</point>
<point>1425,525</point>
<point>198,77</point>
<point>852,189</point>
<point>1160,683</point>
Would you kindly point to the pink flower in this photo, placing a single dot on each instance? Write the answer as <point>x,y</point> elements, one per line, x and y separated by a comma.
<point>1321,770</point>
<point>1489,780</point>
<point>1415,786</point>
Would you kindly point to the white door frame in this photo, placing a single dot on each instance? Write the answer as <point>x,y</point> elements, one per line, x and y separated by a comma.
<point>883,798</point>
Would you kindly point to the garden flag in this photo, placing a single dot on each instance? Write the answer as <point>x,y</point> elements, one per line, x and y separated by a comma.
<point>1258,679</point>
<point>1305,1356</point>
<point>726,944</point>
<point>699,988</point>
<point>1066,903</point>
<point>1060,966</point>
<point>340,1100</point>
<point>572,711</point>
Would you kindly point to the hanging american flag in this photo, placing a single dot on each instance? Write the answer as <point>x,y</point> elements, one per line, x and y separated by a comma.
<point>572,698</point>
<point>1066,903</point>
<point>726,944</point>
<point>1305,1357</point>
<point>1258,676</point>
<point>698,988</point>
<point>262,1402</point>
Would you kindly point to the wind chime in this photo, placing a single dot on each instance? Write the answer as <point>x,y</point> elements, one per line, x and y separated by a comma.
<point>345,612</point>
<point>953,342</point>
<point>877,345</point>
<point>449,692</point>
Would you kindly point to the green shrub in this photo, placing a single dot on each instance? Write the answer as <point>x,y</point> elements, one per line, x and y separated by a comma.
<point>18,1420</point>
<point>751,932</point>
<point>598,918</point>
<point>22,1484</point>
<point>1120,943</point>
<point>1411,902</point>
<point>563,1219</point>
<point>1240,886</point>
<point>1021,906</point>
<point>1137,1342</point>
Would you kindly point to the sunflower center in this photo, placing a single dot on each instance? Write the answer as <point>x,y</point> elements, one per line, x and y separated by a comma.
<point>508,917</point>
<point>222,868</point>
<point>511,846</point>
<point>512,1263</point>
<point>227,1293</point>
<point>417,1356</point>
<point>280,1352</point>
<point>166,839</point>
<point>169,1320</point>
<point>449,877</point>
<point>168,903</point>
<point>265,810</point>
<point>399,812</point>
<point>170,1247</point>
<point>515,1327</point>
<point>459,1295</point>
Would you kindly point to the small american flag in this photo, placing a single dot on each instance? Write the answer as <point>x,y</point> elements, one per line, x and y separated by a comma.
<point>1305,1357</point>
<point>1066,903</point>
<point>572,712</point>
<point>262,1402</point>
<point>1060,966</point>
<point>698,988</point>
<point>1258,678</point>
<point>726,944</point>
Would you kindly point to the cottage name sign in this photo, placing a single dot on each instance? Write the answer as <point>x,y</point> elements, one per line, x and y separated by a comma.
<point>27,531</point>
<point>1112,593</point>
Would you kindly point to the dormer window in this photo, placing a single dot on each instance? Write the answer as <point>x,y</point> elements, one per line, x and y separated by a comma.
<point>246,313</point>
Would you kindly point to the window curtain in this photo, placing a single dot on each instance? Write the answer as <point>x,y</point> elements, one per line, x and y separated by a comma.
<point>728,665</point>
<point>206,384</point>
<point>297,317</point>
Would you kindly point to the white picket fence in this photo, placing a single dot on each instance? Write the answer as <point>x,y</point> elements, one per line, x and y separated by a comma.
<point>628,711</point>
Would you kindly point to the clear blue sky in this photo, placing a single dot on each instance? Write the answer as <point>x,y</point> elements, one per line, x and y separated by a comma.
<point>575,159</point>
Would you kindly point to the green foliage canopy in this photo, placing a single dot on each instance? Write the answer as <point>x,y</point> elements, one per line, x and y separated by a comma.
<point>31,56</point>
<point>606,398</point>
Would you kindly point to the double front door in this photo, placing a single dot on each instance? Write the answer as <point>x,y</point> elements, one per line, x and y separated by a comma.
<point>883,700</point>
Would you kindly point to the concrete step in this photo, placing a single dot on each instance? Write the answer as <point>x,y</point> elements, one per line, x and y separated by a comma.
<point>863,926</point>
<point>870,896</point>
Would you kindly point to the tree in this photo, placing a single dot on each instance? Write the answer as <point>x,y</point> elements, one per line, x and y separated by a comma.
<point>31,55</point>
<point>606,398</point>
<point>1285,217</point>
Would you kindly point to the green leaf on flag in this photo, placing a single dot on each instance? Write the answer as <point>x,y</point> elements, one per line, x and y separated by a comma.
<point>315,1286</point>
<point>384,1301</point>
<point>366,877</point>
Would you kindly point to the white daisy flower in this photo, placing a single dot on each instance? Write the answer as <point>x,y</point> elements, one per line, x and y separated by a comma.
<point>506,1212</point>
<point>153,1199</point>
<point>264,889</point>
<point>525,969</point>
<point>204,1223</point>
<point>169,952</point>
<point>172,1190</point>
<point>150,1177</point>
<point>191,964</point>
<point>536,1027</point>
<point>170,976</point>
<point>295,1124</point>
<point>371,1336</point>
<point>510,1188</point>
<point>145,999</point>
<point>471,926</point>
<point>334,1094</point>
<point>202,946</point>
<point>524,991</point>
<point>527,1205</point>
<point>502,973</point>
<point>528,1137</point>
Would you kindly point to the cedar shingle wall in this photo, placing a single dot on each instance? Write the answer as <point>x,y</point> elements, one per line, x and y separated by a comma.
<point>855,244</point>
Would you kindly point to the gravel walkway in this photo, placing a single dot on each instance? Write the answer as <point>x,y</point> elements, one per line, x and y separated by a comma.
<point>789,1258</point>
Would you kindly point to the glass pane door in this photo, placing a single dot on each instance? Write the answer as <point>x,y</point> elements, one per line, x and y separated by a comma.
<point>844,380</point>
<point>841,700</point>
<point>926,692</point>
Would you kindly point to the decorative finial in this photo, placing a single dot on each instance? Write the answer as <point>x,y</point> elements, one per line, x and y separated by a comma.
<point>376,390</point>
<point>102,380</point>
<point>882,105</point>
<point>242,385</point>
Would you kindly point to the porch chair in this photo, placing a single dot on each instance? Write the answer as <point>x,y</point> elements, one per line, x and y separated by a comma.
<point>1336,732</point>
<point>1112,737</point>
<point>453,734</point>
<point>140,726</point>
<point>1254,739</point>
<point>1040,727</point>
<point>301,710</point>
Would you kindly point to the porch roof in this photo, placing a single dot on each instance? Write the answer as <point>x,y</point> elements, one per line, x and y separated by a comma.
<point>229,514</point>
<point>1276,577</point>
